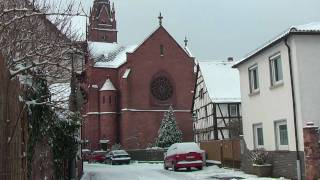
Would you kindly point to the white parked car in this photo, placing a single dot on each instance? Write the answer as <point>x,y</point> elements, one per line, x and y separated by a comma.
<point>118,157</point>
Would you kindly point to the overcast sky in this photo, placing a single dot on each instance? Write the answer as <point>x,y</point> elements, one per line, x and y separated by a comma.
<point>216,29</point>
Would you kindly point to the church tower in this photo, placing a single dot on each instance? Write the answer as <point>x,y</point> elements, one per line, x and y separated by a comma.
<point>102,22</point>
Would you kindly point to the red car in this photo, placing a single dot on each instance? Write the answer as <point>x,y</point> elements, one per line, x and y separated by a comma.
<point>98,156</point>
<point>183,155</point>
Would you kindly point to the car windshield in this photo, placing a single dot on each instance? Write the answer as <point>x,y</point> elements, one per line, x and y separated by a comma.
<point>120,152</point>
<point>99,152</point>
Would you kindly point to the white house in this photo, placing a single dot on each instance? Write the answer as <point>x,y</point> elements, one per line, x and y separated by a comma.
<point>216,103</point>
<point>280,94</point>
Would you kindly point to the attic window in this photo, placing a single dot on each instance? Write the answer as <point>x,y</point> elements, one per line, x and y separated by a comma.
<point>161,50</point>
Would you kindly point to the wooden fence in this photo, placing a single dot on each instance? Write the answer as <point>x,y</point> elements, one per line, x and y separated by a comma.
<point>225,151</point>
<point>13,129</point>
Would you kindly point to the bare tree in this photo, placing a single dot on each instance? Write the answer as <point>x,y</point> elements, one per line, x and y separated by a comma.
<point>36,39</point>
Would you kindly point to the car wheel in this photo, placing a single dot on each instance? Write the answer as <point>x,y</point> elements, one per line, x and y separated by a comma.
<point>112,163</point>
<point>200,168</point>
<point>164,166</point>
<point>188,168</point>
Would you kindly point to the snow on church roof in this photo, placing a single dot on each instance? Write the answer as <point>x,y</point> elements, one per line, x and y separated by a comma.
<point>108,86</point>
<point>222,81</point>
<point>109,55</point>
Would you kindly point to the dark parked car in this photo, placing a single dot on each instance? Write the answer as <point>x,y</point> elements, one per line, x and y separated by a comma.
<point>118,157</point>
<point>98,156</point>
<point>183,155</point>
<point>86,154</point>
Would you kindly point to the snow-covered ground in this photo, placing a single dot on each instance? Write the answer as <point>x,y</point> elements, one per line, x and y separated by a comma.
<point>146,171</point>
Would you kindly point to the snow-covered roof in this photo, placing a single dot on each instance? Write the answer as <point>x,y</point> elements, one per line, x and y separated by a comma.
<point>108,86</point>
<point>222,81</point>
<point>313,27</point>
<point>188,51</point>
<point>109,55</point>
<point>60,93</point>
<point>78,21</point>
<point>79,26</point>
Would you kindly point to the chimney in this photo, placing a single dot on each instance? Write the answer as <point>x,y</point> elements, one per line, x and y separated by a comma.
<point>230,59</point>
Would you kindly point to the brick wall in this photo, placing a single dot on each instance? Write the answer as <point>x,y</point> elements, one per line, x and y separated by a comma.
<point>312,151</point>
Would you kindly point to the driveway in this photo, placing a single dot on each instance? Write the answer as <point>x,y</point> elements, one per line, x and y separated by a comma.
<point>146,171</point>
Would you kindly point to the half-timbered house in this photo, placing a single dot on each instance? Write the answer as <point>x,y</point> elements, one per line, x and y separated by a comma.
<point>216,102</point>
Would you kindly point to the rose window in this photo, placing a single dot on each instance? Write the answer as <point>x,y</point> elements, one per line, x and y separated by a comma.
<point>161,88</point>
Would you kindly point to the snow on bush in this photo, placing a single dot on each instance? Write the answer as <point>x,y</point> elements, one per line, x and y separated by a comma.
<point>259,156</point>
<point>169,133</point>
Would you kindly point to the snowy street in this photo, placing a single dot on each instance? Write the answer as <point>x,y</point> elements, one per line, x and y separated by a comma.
<point>146,171</point>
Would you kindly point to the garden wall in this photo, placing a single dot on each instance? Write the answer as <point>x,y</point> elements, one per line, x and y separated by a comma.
<point>147,154</point>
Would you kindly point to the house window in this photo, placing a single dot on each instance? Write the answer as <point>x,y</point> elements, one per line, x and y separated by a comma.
<point>258,135</point>
<point>103,100</point>
<point>233,110</point>
<point>254,79</point>
<point>110,100</point>
<point>281,131</point>
<point>276,70</point>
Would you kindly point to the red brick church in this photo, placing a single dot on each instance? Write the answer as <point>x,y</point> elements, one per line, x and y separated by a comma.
<point>130,87</point>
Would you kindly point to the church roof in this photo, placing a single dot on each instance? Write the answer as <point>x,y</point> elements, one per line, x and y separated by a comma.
<point>222,81</point>
<point>109,55</point>
<point>186,50</point>
<point>108,86</point>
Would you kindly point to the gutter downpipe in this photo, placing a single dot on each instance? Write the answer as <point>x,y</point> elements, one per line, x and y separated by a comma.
<point>298,159</point>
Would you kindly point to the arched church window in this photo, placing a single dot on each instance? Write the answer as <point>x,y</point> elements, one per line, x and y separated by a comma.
<point>161,88</point>
<point>161,50</point>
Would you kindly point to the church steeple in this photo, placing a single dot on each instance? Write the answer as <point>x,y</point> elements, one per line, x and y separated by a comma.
<point>102,23</point>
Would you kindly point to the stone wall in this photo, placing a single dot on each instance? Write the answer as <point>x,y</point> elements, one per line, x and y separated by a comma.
<point>147,155</point>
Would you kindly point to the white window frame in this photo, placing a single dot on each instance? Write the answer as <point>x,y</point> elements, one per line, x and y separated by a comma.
<point>274,70</point>
<point>252,79</point>
<point>255,136</point>
<point>236,110</point>
<point>277,124</point>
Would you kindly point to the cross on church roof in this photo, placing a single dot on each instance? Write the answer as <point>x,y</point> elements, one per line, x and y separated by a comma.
<point>185,41</point>
<point>160,19</point>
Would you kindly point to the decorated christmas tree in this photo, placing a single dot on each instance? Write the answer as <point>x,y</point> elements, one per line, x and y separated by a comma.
<point>169,133</point>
